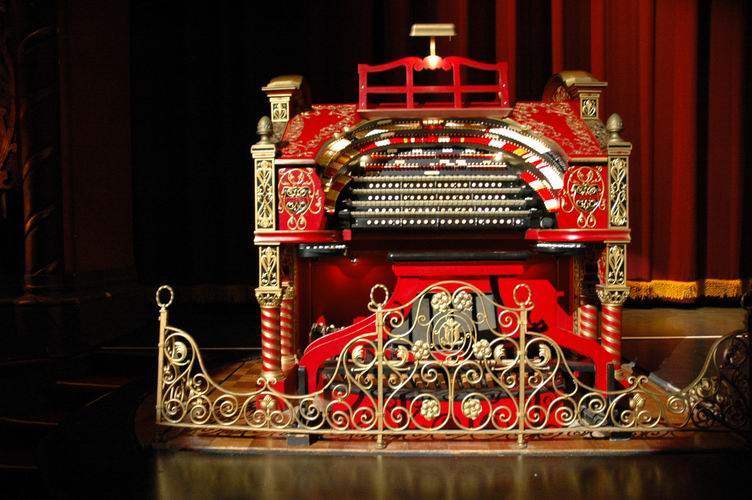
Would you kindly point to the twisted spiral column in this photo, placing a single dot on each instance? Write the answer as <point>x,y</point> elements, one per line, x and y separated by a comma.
<point>588,321</point>
<point>612,298</point>
<point>38,84</point>
<point>269,300</point>
<point>611,330</point>
<point>286,328</point>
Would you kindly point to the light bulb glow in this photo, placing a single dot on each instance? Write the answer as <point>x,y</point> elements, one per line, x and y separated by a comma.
<point>432,61</point>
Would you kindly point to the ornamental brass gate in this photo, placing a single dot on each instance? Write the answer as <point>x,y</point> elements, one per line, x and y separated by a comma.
<point>452,361</point>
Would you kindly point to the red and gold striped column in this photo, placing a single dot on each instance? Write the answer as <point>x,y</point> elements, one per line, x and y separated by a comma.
<point>270,300</point>
<point>588,321</point>
<point>286,328</point>
<point>611,330</point>
<point>612,298</point>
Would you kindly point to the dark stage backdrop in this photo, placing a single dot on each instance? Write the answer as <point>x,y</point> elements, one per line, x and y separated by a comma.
<point>196,74</point>
<point>676,72</point>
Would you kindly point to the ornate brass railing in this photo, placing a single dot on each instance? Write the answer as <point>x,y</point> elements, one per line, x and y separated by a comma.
<point>453,361</point>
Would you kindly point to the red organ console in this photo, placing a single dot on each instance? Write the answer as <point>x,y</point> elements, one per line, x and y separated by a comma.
<point>438,178</point>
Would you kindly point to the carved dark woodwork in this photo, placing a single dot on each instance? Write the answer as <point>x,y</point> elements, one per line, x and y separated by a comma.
<point>39,141</point>
<point>11,255</point>
<point>7,108</point>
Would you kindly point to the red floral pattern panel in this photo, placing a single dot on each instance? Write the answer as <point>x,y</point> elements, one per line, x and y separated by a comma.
<point>560,122</point>
<point>307,131</point>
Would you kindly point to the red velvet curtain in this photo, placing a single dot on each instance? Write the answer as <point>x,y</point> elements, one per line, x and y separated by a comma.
<point>676,72</point>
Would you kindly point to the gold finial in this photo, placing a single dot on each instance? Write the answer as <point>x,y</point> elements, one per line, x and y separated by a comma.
<point>614,125</point>
<point>264,130</point>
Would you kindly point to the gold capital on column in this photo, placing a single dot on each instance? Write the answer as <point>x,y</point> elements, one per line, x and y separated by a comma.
<point>268,297</point>
<point>612,295</point>
<point>269,300</point>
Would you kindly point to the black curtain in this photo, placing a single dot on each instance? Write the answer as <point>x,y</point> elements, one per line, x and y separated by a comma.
<point>196,73</point>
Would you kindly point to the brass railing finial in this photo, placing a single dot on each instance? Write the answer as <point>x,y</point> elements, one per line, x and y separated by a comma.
<point>158,297</point>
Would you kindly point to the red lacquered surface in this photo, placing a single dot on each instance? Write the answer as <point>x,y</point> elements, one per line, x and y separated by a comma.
<point>286,236</point>
<point>578,235</point>
<point>551,316</point>
<point>584,198</point>
<point>458,93</point>
<point>300,200</point>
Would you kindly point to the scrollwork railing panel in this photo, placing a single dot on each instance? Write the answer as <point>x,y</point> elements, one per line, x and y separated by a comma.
<point>458,359</point>
<point>452,361</point>
<point>189,396</point>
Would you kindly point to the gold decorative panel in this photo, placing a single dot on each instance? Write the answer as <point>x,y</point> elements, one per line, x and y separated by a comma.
<point>618,191</point>
<point>265,194</point>
<point>269,266</point>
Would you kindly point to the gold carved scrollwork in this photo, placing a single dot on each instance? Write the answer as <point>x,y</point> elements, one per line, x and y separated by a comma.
<point>617,175</point>
<point>269,266</point>
<point>297,197</point>
<point>616,264</point>
<point>612,296</point>
<point>264,194</point>
<point>280,111</point>
<point>613,274</point>
<point>289,292</point>
<point>589,108</point>
<point>585,190</point>
<point>268,298</point>
<point>560,94</point>
<point>599,131</point>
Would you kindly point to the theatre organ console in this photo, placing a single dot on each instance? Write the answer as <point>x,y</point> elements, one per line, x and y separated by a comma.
<point>438,178</point>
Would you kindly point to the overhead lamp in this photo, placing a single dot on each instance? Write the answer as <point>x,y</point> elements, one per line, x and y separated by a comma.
<point>433,60</point>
